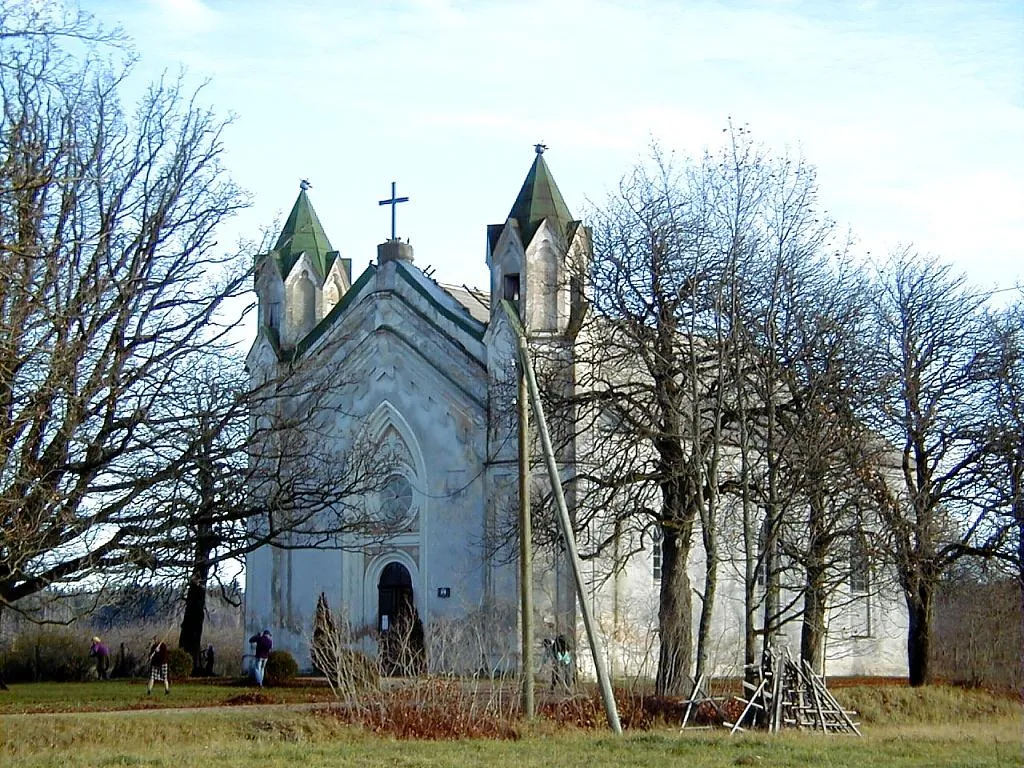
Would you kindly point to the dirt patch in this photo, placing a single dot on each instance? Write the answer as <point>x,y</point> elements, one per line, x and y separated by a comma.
<point>250,697</point>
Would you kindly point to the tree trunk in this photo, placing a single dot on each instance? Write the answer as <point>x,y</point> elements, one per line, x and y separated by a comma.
<point>1018,513</point>
<point>190,638</point>
<point>674,615</point>
<point>190,635</point>
<point>812,631</point>
<point>770,563</point>
<point>919,610</point>
<point>708,605</point>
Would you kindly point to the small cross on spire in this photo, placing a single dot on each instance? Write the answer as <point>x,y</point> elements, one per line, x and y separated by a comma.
<point>539,148</point>
<point>394,201</point>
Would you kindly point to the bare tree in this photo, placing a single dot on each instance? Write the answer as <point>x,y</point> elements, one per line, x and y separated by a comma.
<point>109,280</point>
<point>125,430</point>
<point>714,367</point>
<point>26,19</point>
<point>1004,469</point>
<point>1001,479</point>
<point>261,472</point>
<point>653,376</point>
<point>930,347</point>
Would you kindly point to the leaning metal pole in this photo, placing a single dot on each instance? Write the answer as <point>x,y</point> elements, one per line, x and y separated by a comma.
<point>596,650</point>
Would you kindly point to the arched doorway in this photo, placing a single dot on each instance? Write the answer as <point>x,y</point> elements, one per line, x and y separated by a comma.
<point>401,631</point>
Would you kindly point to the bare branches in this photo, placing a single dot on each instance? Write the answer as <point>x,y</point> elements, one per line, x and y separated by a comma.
<point>109,277</point>
<point>930,356</point>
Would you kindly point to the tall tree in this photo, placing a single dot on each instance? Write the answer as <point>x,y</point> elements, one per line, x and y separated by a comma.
<point>109,278</point>
<point>682,350</point>
<point>1002,476</point>
<point>124,439</point>
<point>930,347</point>
<point>648,366</point>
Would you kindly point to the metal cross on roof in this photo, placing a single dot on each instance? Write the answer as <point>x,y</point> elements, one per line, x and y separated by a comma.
<point>394,201</point>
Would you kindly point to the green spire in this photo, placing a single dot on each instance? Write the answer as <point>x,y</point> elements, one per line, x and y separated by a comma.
<point>302,233</point>
<point>540,199</point>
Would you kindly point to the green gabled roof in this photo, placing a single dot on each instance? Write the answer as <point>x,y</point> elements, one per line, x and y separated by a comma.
<point>302,233</point>
<point>540,199</point>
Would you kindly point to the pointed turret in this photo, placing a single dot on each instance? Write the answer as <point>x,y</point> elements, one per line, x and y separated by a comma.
<point>539,199</point>
<point>302,233</point>
<point>537,256</point>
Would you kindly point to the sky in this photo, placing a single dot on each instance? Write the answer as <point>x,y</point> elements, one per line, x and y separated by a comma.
<point>913,112</point>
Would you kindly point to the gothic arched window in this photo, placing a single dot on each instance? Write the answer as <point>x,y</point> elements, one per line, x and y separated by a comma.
<point>303,306</point>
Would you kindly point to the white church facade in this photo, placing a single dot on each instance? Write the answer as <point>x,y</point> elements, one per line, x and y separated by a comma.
<point>428,370</point>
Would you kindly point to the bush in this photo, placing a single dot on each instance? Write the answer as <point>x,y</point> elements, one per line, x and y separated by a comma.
<point>179,664</point>
<point>281,667</point>
<point>47,656</point>
<point>360,669</point>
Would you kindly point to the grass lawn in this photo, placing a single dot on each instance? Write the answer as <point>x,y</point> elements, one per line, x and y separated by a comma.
<point>131,694</point>
<point>979,731</point>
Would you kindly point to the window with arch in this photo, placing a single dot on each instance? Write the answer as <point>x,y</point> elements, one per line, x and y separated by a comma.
<point>332,295</point>
<point>273,315</point>
<point>302,312</point>
<point>860,565</point>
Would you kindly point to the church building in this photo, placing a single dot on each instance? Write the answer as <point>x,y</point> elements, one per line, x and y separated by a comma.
<point>428,370</point>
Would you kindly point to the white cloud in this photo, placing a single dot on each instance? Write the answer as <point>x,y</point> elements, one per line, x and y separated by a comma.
<point>191,15</point>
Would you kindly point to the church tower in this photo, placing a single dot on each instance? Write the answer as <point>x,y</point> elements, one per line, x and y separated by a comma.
<point>538,257</point>
<point>301,279</point>
<point>537,261</point>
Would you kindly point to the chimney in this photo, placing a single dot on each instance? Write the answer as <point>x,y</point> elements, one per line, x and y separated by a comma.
<point>394,250</point>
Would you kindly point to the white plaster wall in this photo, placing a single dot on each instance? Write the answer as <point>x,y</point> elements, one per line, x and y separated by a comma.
<point>403,372</point>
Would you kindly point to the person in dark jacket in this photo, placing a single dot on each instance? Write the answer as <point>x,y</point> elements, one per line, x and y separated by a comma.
<point>208,659</point>
<point>99,651</point>
<point>561,672</point>
<point>159,666</point>
<point>264,643</point>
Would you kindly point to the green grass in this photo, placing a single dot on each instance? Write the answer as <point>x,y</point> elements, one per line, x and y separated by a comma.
<point>269,739</point>
<point>131,694</point>
<point>903,728</point>
<point>932,704</point>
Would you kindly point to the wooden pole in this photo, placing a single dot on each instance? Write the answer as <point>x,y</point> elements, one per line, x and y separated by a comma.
<point>565,523</point>
<point>525,548</point>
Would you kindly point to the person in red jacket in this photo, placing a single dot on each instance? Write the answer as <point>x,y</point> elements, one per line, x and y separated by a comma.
<point>159,663</point>
<point>264,643</point>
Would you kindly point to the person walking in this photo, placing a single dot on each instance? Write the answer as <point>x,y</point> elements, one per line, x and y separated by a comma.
<point>99,652</point>
<point>159,663</point>
<point>561,673</point>
<point>264,643</point>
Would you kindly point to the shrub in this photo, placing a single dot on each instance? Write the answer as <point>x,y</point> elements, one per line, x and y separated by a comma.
<point>360,669</point>
<point>432,709</point>
<point>47,656</point>
<point>180,664</point>
<point>281,667</point>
